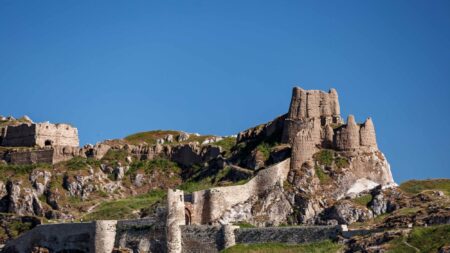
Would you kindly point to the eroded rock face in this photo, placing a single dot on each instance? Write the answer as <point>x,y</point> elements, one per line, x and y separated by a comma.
<point>20,200</point>
<point>269,209</point>
<point>79,185</point>
<point>347,212</point>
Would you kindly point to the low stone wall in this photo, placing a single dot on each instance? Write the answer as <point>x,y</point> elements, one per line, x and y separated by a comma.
<point>67,237</point>
<point>301,234</point>
<point>141,235</point>
<point>32,156</point>
<point>202,238</point>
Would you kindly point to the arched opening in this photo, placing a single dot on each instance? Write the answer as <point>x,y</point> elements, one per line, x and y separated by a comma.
<point>48,143</point>
<point>187,216</point>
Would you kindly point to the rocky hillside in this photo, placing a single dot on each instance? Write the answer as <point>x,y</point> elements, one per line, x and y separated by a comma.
<point>337,175</point>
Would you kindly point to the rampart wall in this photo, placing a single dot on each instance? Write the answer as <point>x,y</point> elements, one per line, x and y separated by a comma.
<point>209,205</point>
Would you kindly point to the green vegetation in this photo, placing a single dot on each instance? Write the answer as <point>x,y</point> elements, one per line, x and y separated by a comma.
<point>341,162</point>
<point>148,166</point>
<point>417,186</point>
<point>115,155</point>
<point>192,186</point>
<point>8,170</point>
<point>149,137</point>
<point>318,247</point>
<point>363,200</point>
<point>243,224</point>
<point>17,227</point>
<point>226,144</point>
<point>425,239</point>
<point>125,208</point>
<point>328,157</point>
<point>265,149</point>
<point>323,177</point>
<point>325,157</point>
<point>79,163</point>
<point>407,211</point>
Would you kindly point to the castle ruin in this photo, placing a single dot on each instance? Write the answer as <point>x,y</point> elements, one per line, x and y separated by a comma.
<point>39,135</point>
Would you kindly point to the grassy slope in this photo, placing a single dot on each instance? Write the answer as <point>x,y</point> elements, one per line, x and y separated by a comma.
<point>417,186</point>
<point>318,247</point>
<point>124,208</point>
<point>426,239</point>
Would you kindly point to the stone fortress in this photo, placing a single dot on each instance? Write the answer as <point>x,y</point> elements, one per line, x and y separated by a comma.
<point>39,134</point>
<point>30,142</point>
<point>204,220</point>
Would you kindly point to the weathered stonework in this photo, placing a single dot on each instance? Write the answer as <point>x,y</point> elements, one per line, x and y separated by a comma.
<point>39,134</point>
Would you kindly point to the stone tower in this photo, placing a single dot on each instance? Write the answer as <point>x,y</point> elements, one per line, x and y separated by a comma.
<point>175,218</point>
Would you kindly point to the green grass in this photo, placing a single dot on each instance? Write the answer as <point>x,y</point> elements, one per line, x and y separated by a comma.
<point>79,163</point>
<point>318,247</point>
<point>149,137</point>
<point>226,144</point>
<point>193,186</point>
<point>156,164</point>
<point>323,177</point>
<point>243,224</point>
<point>363,200</point>
<point>265,149</point>
<point>325,157</point>
<point>417,186</point>
<point>8,171</point>
<point>115,155</point>
<point>341,162</point>
<point>426,239</point>
<point>125,208</point>
<point>17,227</point>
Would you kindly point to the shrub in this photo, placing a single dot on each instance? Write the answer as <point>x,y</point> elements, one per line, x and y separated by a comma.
<point>323,177</point>
<point>341,162</point>
<point>325,157</point>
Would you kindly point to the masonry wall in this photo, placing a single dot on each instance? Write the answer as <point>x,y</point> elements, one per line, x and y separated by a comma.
<point>293,235</point>
<point>141,235</point>
<point>23,135</point>
<point>95,236</point>
<point>202,238</point>
<point>209,205</point>
<point>58,134</point>
<point>31,156</point>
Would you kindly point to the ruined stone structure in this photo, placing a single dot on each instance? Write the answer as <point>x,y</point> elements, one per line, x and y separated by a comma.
<point>39,134</point>
<point>203,221</point>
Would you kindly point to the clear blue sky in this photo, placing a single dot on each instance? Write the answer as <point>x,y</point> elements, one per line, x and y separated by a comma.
<point>113,68</point>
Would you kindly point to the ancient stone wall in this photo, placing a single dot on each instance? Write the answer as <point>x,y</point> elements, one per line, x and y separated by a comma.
<point>23,135</point>
<point>309,104</point>
<point>31,156</point>
<point>50,155</point>
<point>141,235</point>
<point>304,234</point>
<point>56,134</point>
<point>353,136</point>
<point>202,238</point>
<point>95,236</point>
<point>209,205</point>
<point>175,218</point>
<point>39,134</point>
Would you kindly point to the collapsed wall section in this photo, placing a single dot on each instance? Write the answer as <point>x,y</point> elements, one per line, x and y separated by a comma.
<point>209,205</point>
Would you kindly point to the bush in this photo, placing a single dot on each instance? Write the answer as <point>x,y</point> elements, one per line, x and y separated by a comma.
<point>323,177</point>
<point>325,157</point>
<point>341,162</point>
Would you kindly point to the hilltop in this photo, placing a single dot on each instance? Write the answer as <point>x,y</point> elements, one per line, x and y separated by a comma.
<point>306,167</point>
